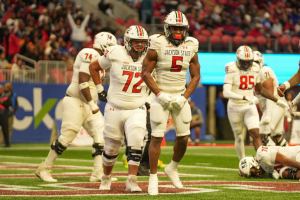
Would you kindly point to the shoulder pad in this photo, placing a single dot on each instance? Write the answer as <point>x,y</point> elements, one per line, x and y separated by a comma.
<point>154,36</point>
<point>267,69</point>
<point>231,68</point>
<point>88,54</point>
<point>192,39</point>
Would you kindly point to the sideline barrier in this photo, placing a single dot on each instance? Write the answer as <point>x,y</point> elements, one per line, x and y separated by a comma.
<point>41,104</point>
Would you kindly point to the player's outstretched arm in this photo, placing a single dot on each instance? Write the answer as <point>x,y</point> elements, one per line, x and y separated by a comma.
<point>295,80</point>
<point>270,95</point>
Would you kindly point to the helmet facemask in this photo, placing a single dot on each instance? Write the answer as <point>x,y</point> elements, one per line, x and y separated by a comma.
<point>245,57</point>
<point>176,27</point>
<point>244,64</point>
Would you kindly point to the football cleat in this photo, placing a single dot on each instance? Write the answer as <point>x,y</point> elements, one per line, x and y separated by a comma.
<point>96,176</point>
<point>105,183</point>
<point>173,175</point>
<point>153,184</point>
<point>45,175</point>
<point>131,184</point>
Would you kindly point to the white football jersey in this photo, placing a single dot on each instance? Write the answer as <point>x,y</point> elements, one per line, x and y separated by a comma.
<point>81,64</point>
<point>172,62</point>
<point>127,89</point>
<point>266,73</point>
<point>242,81</point>
<point>266,155</point>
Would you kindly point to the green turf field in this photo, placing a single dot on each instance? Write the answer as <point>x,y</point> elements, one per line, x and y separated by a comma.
<point>207,172</point>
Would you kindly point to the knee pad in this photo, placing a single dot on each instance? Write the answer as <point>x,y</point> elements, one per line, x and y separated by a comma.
<point>67,136</point>
<point>109,160</point>
<point>97,149</point>
<point>134,156</point>
<point>111,151</point>
<point>58,147</point>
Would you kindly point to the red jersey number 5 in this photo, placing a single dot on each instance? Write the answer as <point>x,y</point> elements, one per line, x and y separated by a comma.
<point>176,67</point>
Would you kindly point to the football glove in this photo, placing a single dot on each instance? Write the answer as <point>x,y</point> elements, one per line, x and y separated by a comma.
<point>178,102</point>
<point>102,96</point>
<point>251,99</point>
<point>164,99</point>
<point>93,107</point>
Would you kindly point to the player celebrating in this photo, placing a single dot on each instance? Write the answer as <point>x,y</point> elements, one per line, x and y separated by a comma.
<point>170,55</point>
<point>272,121</point>
<point>241,78</point>
<point>81,109</point>
<point>125,111</point>
<point>281,162</point>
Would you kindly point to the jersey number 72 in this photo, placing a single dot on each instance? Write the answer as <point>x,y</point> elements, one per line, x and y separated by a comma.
<point>131,75</point>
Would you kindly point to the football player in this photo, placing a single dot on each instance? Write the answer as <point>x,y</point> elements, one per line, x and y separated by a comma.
<point>271,126</point>
<point>81,109</point>
<point>125,111</point>
<point>280,162</point>
<point>242,77</point>
<point>170,54</point>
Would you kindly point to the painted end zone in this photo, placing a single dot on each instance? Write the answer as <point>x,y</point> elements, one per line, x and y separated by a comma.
<point>85,188</point>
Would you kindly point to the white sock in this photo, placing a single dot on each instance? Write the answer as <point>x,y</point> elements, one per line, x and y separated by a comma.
<point>98,164</point>
<point>49,161</point>
<point>153,175</point>
<point>173,164</point>
<point>240,148</point>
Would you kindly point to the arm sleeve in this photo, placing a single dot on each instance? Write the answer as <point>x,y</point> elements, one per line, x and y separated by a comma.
<point>227,88</point>
<point>229,94</point>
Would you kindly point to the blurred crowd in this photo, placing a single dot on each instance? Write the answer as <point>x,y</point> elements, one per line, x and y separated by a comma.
<point>271,25</point>
<point>45,30</point>
<point>58,29</point>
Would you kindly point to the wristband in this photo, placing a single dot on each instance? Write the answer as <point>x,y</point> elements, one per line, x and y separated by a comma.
<point>99,88</point>
<point>93,105</point>
<point>287,85</point>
